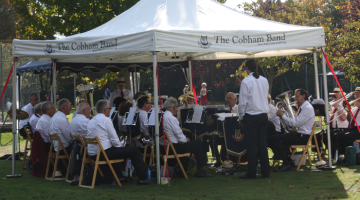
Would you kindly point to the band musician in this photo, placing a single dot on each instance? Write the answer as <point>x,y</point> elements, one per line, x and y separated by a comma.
<point>121,91</point>
<point>273,118</point>
<point>304,121</point>
<point>29,108</point>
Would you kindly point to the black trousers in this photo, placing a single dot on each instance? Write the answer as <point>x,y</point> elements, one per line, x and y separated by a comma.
<point>279,143</point>
<point>333,139</point>
<point>214,142</point>
<point>347,138</point>
<point>255,130</point>
<point>61,165</point>
<point>195,147</point>
<point>131,152</point>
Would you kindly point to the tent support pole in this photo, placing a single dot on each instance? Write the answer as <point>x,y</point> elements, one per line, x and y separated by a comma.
<point>156,99</point>
<point>14,126</point>
<point>54,83</point>
<point>316,74</point>
<point>190,75</point>
<point>326,98</point>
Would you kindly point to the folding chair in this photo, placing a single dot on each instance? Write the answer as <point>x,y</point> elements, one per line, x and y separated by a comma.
<point>56,155</point>
<point>79,139</point>
<point>306,148</point>
<point>87,159</point>
<point>28,139</point>
<point>175,155</point>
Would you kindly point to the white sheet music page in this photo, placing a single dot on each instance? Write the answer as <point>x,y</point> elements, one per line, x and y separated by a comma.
<point>152,117</point>
<point>131,115</point>
<point>112,111</point>
<point>197,114</point>
<point>222,116</point>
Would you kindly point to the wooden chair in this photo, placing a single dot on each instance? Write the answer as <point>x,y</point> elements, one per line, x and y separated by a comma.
<point>28,140</point>
<point>79,139</point>
<point>306,148</point>
<point>175,155</point>
<point>56,155</point>
<point>145,154</point>
<point>97,162</point>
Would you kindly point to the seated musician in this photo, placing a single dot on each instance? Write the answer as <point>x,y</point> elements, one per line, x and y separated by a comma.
<point>60,124</point>
<point>43,125</point>
<point>272,117</point>
<point>181,143</point>
<point>347,138</point>
<point>144,105</point>
<point>101,126</point>
<point>190,100</point>
<point>136,97</point>
<point>78,125</point>
<point>231,101</point>
<point>338,116</point>
<point>29,109</point>
<point>304,121</point>
<point>123,108</point>
<point>115,116</point>
<point>35,118</point>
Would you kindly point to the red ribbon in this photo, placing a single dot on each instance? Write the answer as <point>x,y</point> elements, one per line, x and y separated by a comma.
<point>8,78</point>
<point>193,84</point>
<point>332,70</point>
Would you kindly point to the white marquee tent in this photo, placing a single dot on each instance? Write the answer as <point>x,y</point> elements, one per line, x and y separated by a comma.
<point>176,30</point>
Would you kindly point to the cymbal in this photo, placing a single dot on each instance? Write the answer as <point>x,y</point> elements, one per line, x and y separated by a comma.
<point>20,114</point>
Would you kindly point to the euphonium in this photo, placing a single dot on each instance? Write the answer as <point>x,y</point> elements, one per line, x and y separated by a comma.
<point>287,109</point>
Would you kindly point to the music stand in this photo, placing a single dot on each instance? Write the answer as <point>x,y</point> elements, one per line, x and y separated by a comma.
<point>189,120</point>
<point>134,125</point>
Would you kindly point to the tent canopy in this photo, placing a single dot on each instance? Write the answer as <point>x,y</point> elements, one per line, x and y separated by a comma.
<point>177,30</point>
<point>33,67</point>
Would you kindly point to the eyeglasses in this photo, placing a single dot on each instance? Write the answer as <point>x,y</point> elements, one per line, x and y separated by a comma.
<point>334,96</point>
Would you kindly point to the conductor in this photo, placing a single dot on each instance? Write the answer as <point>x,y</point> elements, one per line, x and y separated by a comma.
<point>253,108</point>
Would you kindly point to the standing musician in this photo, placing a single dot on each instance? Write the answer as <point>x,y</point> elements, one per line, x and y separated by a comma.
<point>121,91</point>
<point>272,117</point>
<point>347,138</point>
<point>338,115</point>
<point>35,118</point>
<point>253,108</point>
<point>304,121</point>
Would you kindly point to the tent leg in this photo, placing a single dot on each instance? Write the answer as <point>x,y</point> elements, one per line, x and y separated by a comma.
<point>156,99</point>
<point>326,98</point>
<point>54,83</point>
<point>14,127</point>
<point>190,75</point>
<point>316,75</point>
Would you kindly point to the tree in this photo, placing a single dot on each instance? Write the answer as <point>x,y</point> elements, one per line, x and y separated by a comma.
<point>42,19</point>
<point>8,20</point>
<point>306,13</point>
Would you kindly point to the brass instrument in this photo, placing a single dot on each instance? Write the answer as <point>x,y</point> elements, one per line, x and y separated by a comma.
<point>331,104</point>
<point>184,98</point>
<point>353,101</point>
<point>287,109</point>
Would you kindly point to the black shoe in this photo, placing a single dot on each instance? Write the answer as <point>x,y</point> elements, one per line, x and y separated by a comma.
<point>217,164</point>
<point>145,182</point>
<point>203,174</point>
<point>247,176</point>
<point>283,168</point>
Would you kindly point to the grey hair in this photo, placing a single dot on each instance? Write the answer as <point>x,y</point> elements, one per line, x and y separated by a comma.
<point>45,106</point>
<point>234,95</point>
<point>61,103</point>
<point>101,105</point>
<point>81,107</point>
<point>170,103</point>
<point>37,108</point>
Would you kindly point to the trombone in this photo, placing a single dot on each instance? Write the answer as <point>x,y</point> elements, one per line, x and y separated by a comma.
<point>354,101</point>
<point>344,106</point>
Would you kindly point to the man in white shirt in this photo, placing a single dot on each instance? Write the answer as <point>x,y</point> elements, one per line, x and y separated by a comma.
<point>102,127</point>
<point>272,117</point>
<point>144,105</point>
<point>43,125</point>
<point>253,108</point>
<point>231,101</point>
<point>29,108</point>
<point>304,121</point>
<point>79,124</point>
<point>121,91</point>
<point>182,144</point>
<point>35,118</point>
<point>60,124</point>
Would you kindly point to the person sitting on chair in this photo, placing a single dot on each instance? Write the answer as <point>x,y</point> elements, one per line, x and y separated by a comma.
<point>181,143</point>
<point>144,105</point>
<point>60,124</point>
<point>101,126</point>
<point>231,101</point>
<point>35,118</point>
<point>123,108</point>
<point>29,109</point>
<point>43,125</point>
<point>304,121</point>
<point>78,125</point>
<point>272,117</point>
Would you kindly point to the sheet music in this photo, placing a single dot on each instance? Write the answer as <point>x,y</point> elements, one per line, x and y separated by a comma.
<point>152,117</point>
<point>197,114</point>
<point>112,111</point>
<point>191,105</point>
<point>210,106</point>
<point>131,115</point>
<point>222,116</point>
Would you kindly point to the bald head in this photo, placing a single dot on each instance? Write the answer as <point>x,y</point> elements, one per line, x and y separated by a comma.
<point>84,109</point>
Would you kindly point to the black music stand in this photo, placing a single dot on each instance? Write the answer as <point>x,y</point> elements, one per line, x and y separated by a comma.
<point>134,128</point>
<point>234,141</point>
<point>202,124</point>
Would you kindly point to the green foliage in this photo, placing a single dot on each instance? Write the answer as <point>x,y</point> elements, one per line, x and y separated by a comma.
<point>8,20</point>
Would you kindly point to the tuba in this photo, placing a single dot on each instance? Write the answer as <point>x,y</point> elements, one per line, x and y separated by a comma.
<point>285,106</point>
